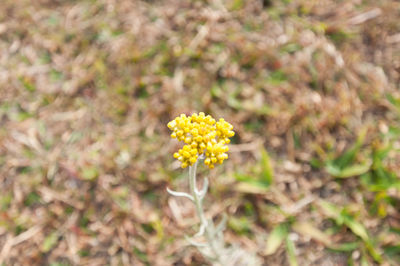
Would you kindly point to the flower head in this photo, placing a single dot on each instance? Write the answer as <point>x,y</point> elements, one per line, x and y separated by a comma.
<point>202,135</point>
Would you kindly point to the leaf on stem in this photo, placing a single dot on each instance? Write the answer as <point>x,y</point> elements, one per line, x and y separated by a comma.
<point>275,238</point>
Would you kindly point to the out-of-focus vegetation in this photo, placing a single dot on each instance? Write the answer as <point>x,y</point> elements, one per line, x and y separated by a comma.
<point>86,90</point>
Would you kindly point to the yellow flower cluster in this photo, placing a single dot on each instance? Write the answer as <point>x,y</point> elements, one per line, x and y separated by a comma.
<point>202,135</point>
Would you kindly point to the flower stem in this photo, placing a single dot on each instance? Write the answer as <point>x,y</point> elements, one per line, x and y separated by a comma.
<point>208,225</point>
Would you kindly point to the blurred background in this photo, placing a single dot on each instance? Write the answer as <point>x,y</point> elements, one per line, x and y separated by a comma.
<point>87,88</point>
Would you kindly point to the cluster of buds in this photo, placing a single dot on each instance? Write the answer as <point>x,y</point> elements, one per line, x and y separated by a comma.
<point>202,135</point>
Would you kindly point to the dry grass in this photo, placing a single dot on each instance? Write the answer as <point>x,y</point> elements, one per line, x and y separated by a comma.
<point>87,88</point>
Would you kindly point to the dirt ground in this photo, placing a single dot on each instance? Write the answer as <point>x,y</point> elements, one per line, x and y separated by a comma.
<point>87,87</point>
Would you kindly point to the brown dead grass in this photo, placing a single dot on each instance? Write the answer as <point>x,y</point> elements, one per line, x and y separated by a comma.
<point>87,88</point>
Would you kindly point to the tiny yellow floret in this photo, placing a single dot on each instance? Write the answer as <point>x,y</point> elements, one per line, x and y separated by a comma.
<point>203,135</point>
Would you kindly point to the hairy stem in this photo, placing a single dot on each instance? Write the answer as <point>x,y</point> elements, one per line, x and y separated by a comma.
<point>209,227</point>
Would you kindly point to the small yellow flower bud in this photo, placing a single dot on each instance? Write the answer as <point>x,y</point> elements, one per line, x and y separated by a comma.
<point>209,147</point>
<point>172,124</point>
<point>194,132</point>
